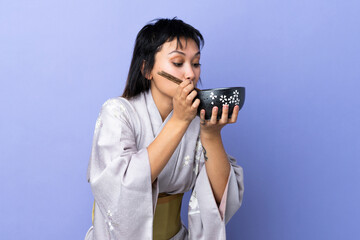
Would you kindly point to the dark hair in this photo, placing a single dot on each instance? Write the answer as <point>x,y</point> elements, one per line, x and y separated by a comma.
<point>148,42</point>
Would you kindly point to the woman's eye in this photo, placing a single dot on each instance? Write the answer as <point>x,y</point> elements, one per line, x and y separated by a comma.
<point>196,64</point>
<point>177,64</point>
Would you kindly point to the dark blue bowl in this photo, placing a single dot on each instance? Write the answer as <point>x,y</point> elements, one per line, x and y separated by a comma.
<point>210,98</point>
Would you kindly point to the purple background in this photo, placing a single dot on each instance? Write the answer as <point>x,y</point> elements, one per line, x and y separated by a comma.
<point>297,137</point>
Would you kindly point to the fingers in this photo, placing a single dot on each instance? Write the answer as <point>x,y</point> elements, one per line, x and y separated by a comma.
<point>190,98</point>
<point>186,87</point>
<point>213,118</point>
<point>225,113</point>
<point>181,87</point>
<point>234,114</point>
<point>186,92</point>
<point>184,103</point>
<point>196,104</point>
<point>202,117</point>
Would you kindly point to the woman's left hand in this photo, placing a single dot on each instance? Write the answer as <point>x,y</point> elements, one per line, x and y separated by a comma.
<point>212,127</point>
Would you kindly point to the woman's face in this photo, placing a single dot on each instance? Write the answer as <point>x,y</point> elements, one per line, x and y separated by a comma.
<point>183,63</point>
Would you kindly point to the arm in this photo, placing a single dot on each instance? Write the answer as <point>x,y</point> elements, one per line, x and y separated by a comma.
<point>216,160</point>
<point>164,145</point>
<point>119,174</point>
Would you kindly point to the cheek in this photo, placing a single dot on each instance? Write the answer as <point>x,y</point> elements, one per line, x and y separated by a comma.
<point>171,69</point>
<point>164,66</point>
<point>197,72</point>
<point>167,85</point>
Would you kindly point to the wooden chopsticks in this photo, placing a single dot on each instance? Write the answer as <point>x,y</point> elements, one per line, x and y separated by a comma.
<point>172,78</point>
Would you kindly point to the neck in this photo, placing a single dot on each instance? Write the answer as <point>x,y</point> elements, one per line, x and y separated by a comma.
<point>164,104</point>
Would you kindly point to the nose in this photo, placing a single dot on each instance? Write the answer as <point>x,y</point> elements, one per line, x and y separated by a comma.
<point>189,73</point>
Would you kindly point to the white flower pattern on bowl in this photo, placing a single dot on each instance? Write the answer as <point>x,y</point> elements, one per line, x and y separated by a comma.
<point>234,99</point>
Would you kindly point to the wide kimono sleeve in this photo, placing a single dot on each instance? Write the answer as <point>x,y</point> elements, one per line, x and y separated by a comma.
<point>120,177</point>
<point>206,219</point>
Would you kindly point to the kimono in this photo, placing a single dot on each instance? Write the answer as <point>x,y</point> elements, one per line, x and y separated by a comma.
<point>120,177</point>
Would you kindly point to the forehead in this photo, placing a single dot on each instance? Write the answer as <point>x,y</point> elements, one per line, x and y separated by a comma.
<point>185,44</point>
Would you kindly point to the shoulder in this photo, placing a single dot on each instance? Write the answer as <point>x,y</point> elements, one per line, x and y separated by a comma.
<point>117,108</point>
<point>122,104</point>
<point>121,109</point>
<point>118,104</point>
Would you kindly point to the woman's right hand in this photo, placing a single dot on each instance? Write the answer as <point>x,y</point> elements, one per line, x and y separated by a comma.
<point>184,106</point>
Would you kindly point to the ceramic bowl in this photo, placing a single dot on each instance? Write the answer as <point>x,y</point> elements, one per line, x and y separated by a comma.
<point>210,98</point>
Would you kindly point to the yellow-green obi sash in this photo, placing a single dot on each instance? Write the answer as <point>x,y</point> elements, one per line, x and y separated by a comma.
<point>167,221</point>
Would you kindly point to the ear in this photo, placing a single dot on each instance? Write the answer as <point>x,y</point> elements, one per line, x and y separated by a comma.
<point>147,76</point>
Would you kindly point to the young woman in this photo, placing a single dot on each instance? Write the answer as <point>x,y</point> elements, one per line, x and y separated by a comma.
<point>149,148</point>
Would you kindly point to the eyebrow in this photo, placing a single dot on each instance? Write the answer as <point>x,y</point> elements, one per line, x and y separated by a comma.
<point>176,51</point>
